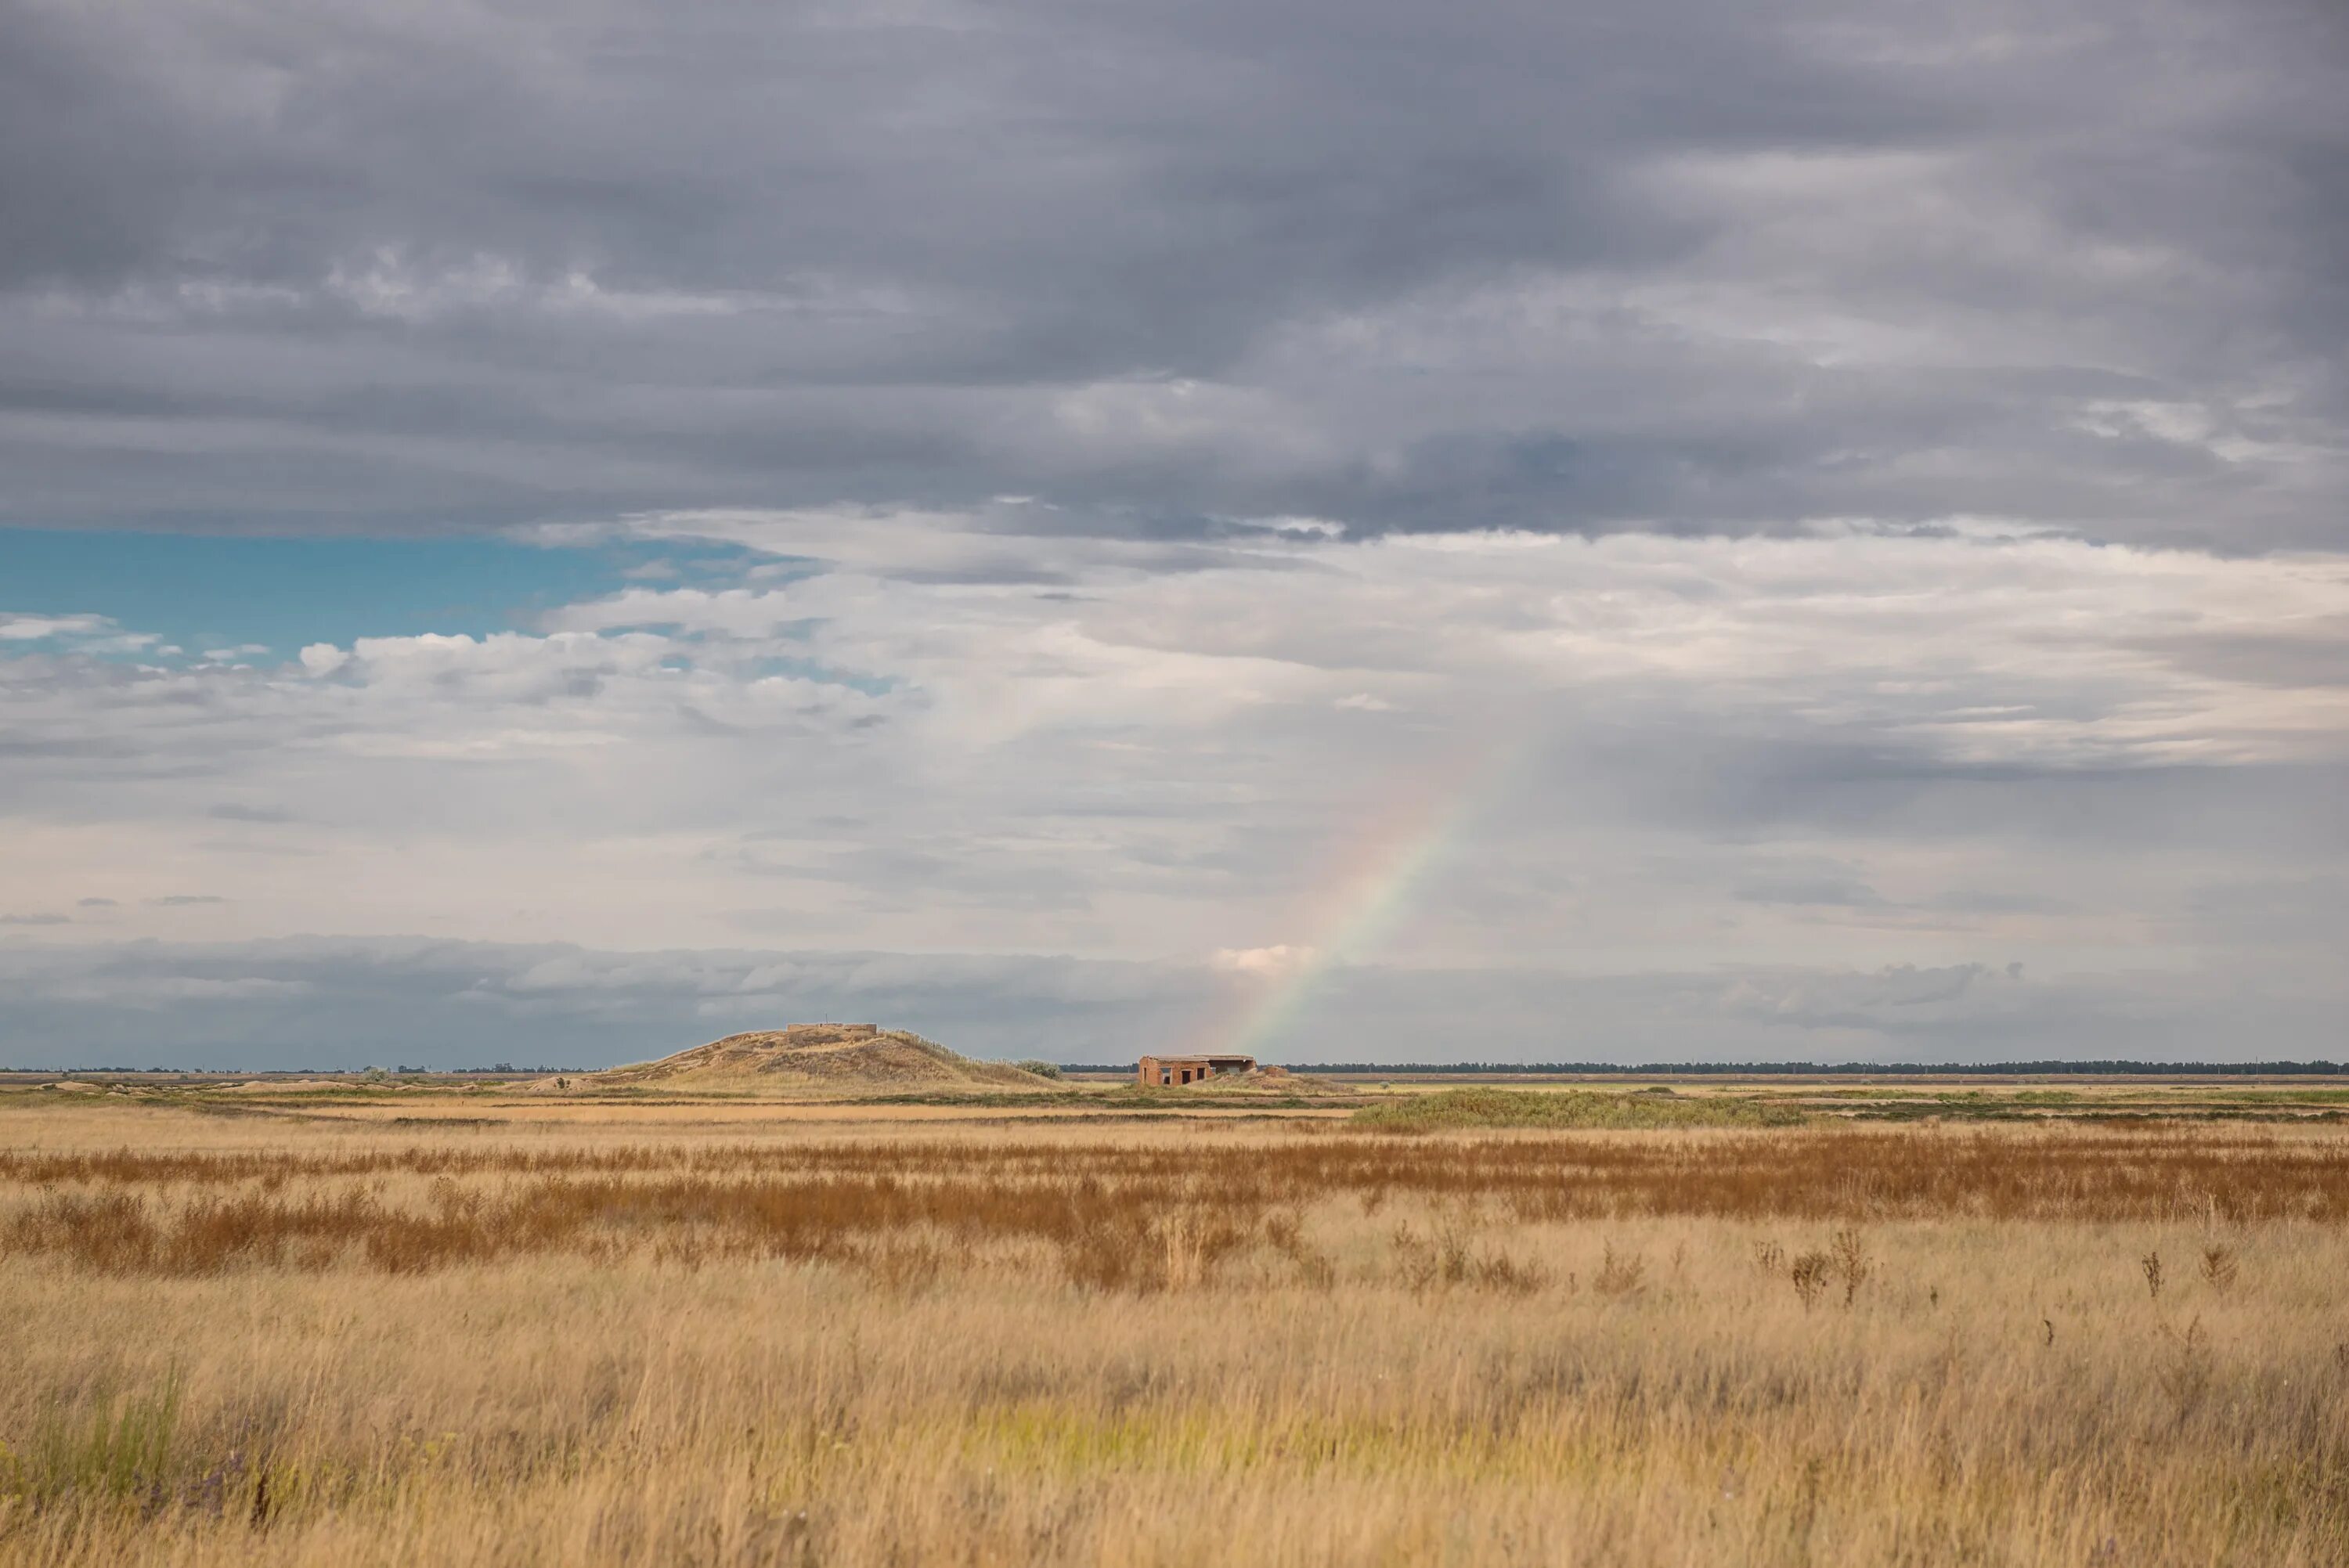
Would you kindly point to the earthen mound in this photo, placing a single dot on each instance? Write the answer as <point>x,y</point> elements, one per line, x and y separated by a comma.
<point>835,1055</point>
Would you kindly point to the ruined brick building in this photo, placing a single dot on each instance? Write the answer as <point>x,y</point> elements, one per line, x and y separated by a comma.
<point>1170,1072</point>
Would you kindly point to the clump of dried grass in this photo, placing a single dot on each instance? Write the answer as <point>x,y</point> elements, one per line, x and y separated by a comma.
<point>1448,1259</point>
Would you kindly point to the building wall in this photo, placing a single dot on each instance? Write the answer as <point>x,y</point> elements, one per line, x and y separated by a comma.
<point>1171,1071</point>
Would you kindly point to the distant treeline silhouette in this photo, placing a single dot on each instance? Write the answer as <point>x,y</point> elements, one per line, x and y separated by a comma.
<point>1805,1069</point>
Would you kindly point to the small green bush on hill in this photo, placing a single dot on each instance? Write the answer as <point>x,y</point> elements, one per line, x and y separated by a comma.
<point>1477,1108</point>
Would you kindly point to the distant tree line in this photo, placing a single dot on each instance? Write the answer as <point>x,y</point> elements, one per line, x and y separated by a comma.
<point>1802,1069</point>
<point>507,1068</point>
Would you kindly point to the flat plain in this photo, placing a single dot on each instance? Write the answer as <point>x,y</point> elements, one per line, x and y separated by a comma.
<point>1787,1322</point>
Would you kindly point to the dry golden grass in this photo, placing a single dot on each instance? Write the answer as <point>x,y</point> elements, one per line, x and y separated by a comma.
<point>230,1341</point>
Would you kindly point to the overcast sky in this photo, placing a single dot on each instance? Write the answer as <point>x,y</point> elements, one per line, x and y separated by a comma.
<point>1360,532</point>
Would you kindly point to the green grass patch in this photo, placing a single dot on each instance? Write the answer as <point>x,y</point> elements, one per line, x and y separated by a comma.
<point>1480,1107</point>
<point>113,1449</point>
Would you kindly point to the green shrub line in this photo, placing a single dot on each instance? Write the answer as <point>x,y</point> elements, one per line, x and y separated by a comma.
<point>1477,1108</point>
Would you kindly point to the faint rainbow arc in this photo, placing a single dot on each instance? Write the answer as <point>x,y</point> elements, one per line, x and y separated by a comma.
<point>1369,894</point>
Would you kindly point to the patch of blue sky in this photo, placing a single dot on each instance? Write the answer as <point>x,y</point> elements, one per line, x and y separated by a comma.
<point>204,592</point>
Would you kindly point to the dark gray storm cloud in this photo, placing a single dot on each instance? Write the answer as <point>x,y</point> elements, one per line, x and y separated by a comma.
<point>1688,264</point>
<point>342,1003</point>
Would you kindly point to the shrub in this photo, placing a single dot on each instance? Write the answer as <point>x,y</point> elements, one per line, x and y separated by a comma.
<point>2182,1365</point>
<point>1809,1275</point>
<point>1621,1273</point>
<point>1851,1262</point>
<point>2218,1268</point>
<point>1446,1259</point>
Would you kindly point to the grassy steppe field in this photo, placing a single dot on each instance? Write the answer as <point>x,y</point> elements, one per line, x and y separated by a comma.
<point>556,1332</point>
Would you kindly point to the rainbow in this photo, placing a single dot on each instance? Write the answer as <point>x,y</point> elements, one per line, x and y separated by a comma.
<point>1367,895</point>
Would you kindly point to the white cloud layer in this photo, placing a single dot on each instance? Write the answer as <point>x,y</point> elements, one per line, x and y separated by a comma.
<point>1855,750</point>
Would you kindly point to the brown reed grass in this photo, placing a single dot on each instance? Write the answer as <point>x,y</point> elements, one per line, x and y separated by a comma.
<point>1907,1346</point>
<point>2237,1173</point>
